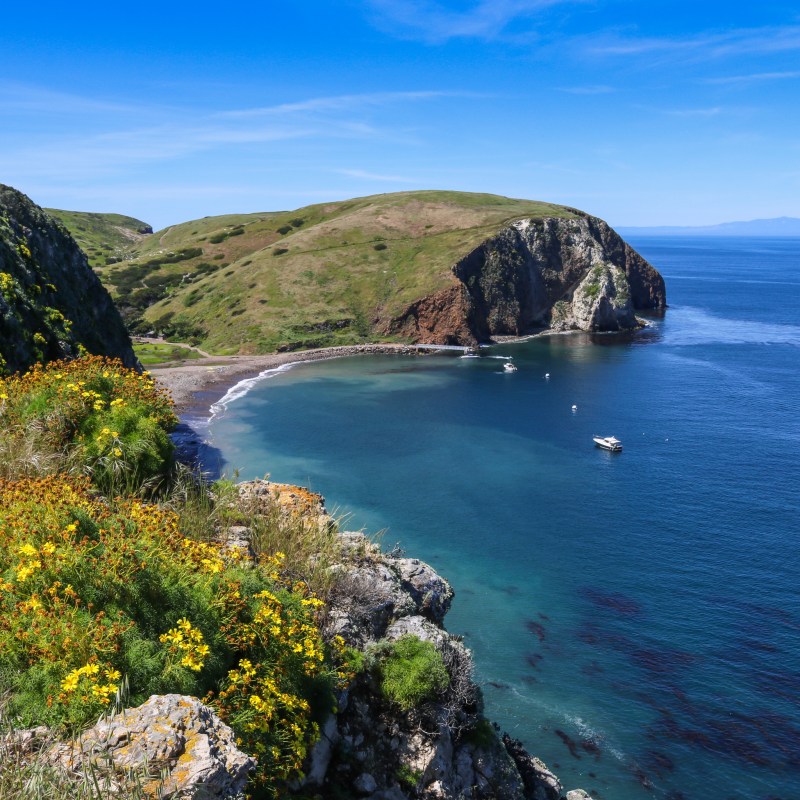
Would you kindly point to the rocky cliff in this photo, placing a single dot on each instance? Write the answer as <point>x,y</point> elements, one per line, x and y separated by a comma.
<point>441,747</point>
<point>51,302</point>
<point>370,748</point>
<point>536,274</point>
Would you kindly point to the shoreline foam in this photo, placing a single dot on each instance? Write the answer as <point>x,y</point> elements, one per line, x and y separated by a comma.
<point>200,387</point>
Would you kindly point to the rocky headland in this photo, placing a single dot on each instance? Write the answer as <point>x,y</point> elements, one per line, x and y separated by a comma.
<point>538,274</point>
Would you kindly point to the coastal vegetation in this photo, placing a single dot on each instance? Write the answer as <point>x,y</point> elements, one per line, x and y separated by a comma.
<point>150,353</point>
<point>411,671</point>
<point>114,584</point>
<point>117,582</point>
<point>52,305</point>
<point>328,274</point>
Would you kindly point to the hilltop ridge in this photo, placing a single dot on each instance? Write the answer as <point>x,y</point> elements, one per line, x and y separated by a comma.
<point>426,266</point>
<point>105,238</point>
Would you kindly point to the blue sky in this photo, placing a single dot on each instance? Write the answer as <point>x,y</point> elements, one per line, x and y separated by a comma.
<point>643,113</point>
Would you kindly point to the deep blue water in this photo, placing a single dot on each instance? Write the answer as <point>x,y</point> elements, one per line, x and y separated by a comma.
<point>638,609</point>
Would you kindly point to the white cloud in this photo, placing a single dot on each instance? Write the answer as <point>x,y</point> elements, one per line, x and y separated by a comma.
<point>343,102</point>
<point>691,112</point>
<point>755,77</point>
<point>18,97</point>
<point>371,176</point>
<point>115,145</point>
<point>431,21</point>
<point>706,45</point>
<point>587,90</point>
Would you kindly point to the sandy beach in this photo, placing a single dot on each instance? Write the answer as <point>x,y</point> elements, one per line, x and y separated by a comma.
<point>196,385</point>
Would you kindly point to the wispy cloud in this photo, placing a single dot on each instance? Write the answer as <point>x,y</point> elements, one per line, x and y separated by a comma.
<point>691,112</point>
<point>709,44</point>
<point>23,98</point>
<point>115,145</point>
<point>756,77</point>
<point>587,90</point>
<point>335,103</point>
<point>372,176</point>
<point>432,21</point>
<point>107,154</point>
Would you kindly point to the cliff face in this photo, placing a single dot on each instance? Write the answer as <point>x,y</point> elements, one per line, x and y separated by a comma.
<point>370,747</point>
<point>51,302</point>
<point>562,274</point>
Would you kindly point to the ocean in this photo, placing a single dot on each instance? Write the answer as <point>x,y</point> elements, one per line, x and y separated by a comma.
<point>634,617</point>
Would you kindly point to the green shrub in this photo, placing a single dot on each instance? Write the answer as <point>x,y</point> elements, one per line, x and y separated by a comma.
<point>192,297</point>
<point>379,246</point>
<point>284,229</point>
<point>482,734</point>
<point>91,416</point>
<point>407,777</point>
<point>411,671</point>
<point>279,251</point>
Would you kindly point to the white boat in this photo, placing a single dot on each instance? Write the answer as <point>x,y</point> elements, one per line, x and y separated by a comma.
<point>608,443</point>
<point>509,367</point>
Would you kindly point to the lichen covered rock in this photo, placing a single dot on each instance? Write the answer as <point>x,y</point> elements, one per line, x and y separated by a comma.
<point>183,748</point>
<point>441,750</point>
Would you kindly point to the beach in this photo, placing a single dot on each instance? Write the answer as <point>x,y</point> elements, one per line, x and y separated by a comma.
<point>196,385</point>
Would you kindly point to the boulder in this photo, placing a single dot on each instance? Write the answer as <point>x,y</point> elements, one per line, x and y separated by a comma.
<point>432,593</point>
<point>183,748</point>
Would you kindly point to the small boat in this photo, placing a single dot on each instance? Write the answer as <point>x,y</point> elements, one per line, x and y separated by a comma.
<point>608,443</point>
<point>574,408</point>
<point>509,367</point>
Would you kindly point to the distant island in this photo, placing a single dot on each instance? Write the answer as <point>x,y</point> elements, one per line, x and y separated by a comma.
<point>777,226</point>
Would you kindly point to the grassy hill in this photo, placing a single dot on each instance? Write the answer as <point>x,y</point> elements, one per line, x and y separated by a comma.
<point>321,275</point>
<point>103,237</point>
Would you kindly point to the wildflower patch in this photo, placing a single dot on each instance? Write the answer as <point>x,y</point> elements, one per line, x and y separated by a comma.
<point>96,594</point>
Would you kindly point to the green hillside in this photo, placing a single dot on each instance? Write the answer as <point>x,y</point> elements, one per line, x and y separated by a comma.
<point>322,275</point>
<point>103,237</point>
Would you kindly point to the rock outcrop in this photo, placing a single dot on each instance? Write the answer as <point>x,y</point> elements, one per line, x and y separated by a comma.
<point>536,274</point>
<point>443,749</point>
<point>170,748</point>
<point>52,305</point>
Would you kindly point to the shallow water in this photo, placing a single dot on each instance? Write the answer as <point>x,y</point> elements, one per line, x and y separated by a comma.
<point>634,617</point>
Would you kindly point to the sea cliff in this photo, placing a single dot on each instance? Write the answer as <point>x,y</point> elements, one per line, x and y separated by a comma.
<point>538,274</point>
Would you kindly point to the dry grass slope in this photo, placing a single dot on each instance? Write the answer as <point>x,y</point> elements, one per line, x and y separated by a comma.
<point>322,275</point>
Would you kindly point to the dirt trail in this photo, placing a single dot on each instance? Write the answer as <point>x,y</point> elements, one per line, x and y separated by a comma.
<point>185,345</point>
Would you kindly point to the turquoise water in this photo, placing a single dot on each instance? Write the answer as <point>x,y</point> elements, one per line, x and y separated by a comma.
<point>634,617</point>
